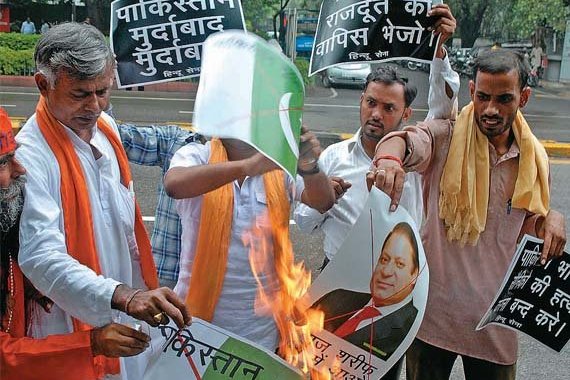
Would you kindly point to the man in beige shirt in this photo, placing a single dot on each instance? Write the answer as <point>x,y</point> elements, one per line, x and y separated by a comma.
<point>478,203</point>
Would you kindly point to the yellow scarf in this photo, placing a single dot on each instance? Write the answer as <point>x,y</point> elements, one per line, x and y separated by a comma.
<point>209,267</point>
<point>464,186</point>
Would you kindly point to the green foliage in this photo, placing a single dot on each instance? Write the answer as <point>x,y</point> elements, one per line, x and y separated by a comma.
<point>303,66</point>
<point>257,11</point>
<point>16,62</point>
<point>527,15</point>
<point>506,19</point>
<point>17,41</point>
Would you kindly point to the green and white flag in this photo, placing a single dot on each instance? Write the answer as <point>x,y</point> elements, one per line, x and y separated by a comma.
<point>252,92</point>
<point>205,352</point>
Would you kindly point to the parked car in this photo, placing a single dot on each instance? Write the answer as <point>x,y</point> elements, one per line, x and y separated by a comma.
<point>346,74</point>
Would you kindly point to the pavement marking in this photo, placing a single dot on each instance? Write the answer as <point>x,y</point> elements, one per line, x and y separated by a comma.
<point>352,106</point>
<point>35,94</point>
<point>151,219</point>
<point>145,98</point>
<point>330,105</point>
<point>21,93</point>
<point>7,105</point>
<point>560,161</point>
<point>548,116</point>
<point>186,112</point>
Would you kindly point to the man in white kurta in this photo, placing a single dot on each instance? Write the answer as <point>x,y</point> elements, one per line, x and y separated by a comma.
<point>349,160</point>
<point>70,144</point>
<point>235,309</point>
<point>43,254</point>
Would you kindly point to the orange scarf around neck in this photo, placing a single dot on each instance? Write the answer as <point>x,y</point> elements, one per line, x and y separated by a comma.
<point>209,267</point>
<point>78,220</point>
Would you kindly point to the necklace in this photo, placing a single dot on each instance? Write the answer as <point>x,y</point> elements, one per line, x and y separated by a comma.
<point>10,302</point>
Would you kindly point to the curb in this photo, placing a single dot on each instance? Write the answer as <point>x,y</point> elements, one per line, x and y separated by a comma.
<point>553,148</point>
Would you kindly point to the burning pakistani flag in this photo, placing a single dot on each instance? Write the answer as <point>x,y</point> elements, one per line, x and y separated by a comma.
<point>250,91</point>
<point>205,352</point>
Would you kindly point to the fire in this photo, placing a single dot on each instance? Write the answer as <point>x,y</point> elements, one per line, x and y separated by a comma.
<point>294,320</point>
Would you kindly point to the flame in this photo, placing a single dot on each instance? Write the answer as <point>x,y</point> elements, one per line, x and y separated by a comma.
<point>326,373</point>
<point>295,321</point>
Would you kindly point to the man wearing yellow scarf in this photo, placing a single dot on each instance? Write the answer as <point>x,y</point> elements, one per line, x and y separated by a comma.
<point>226,187</point>
<point>486,182</point>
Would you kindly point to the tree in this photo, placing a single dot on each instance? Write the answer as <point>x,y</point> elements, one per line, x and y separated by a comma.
<point>98,11</point>
<point>506,19</point>
<point>258,12</point>
<point>527,15</point>
<point>469,16</point>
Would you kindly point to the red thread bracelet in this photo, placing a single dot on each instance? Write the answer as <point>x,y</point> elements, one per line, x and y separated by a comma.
<point>390,157</point>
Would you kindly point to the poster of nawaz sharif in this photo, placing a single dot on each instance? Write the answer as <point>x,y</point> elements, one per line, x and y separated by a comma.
<point>354,344</point>
<point>373,294</point>
<point>373,30</point>
<point>534,299</point>
<point>161,40</point>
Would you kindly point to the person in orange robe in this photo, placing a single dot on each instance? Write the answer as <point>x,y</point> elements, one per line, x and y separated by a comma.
<point>57,357</point>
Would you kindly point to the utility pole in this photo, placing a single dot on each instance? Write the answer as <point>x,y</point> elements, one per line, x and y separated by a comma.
<point>73,14</point>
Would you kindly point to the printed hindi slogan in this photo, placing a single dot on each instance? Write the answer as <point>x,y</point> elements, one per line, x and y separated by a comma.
<point>370,319</point>
<point>534,299</point>
<point>373,30</point>
<point>161,40</point>
<point>204,351</point>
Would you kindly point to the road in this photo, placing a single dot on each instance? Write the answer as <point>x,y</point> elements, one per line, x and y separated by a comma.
<point>326,110</point>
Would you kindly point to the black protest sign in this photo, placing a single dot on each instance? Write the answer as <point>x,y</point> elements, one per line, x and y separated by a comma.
<point>161,40</point>
<point>373,30</point>
<point>534,299</point>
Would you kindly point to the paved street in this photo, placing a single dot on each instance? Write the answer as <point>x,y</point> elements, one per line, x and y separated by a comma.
<point>325,110</point>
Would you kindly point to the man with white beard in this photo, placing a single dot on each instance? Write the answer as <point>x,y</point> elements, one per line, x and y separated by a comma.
<point>22,357</point>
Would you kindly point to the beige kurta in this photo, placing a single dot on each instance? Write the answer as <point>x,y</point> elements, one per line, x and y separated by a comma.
<point>464,280</point>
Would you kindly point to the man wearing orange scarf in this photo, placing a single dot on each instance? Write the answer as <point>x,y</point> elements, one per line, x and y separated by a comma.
<point>226,188</point>
<point>486,182</point>
<point>20,354</point>
<point>83,243</point>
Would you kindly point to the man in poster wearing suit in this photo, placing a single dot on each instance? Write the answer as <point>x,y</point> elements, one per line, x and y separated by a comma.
<point>378,321</point>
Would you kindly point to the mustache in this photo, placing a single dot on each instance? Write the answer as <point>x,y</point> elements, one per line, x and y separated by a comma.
<point>375,123</point>
<point>492,118</point>
<point>11,203</point>
<point>16,188</point>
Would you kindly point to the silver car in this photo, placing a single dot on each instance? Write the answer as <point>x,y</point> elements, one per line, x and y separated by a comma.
<point>346,74</point>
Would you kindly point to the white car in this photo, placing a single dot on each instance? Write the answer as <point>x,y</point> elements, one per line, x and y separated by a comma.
<point>346,74</point>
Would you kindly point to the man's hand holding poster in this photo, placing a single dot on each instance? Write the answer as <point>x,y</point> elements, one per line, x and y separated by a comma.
<point>373,294</point>
<point>204,351</point>
<point>534,299</point>
<point>373,30</point>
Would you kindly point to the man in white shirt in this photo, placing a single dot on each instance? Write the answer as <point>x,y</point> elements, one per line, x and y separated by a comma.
<point>83,243</point>
<point>378,321</point>
<point>28,27</point>
<point>384,105</point>
<point>246,175</point>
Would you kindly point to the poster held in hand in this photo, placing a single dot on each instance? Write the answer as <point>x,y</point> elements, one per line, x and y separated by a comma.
<point>534,299</point>
<point>373,31</point>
